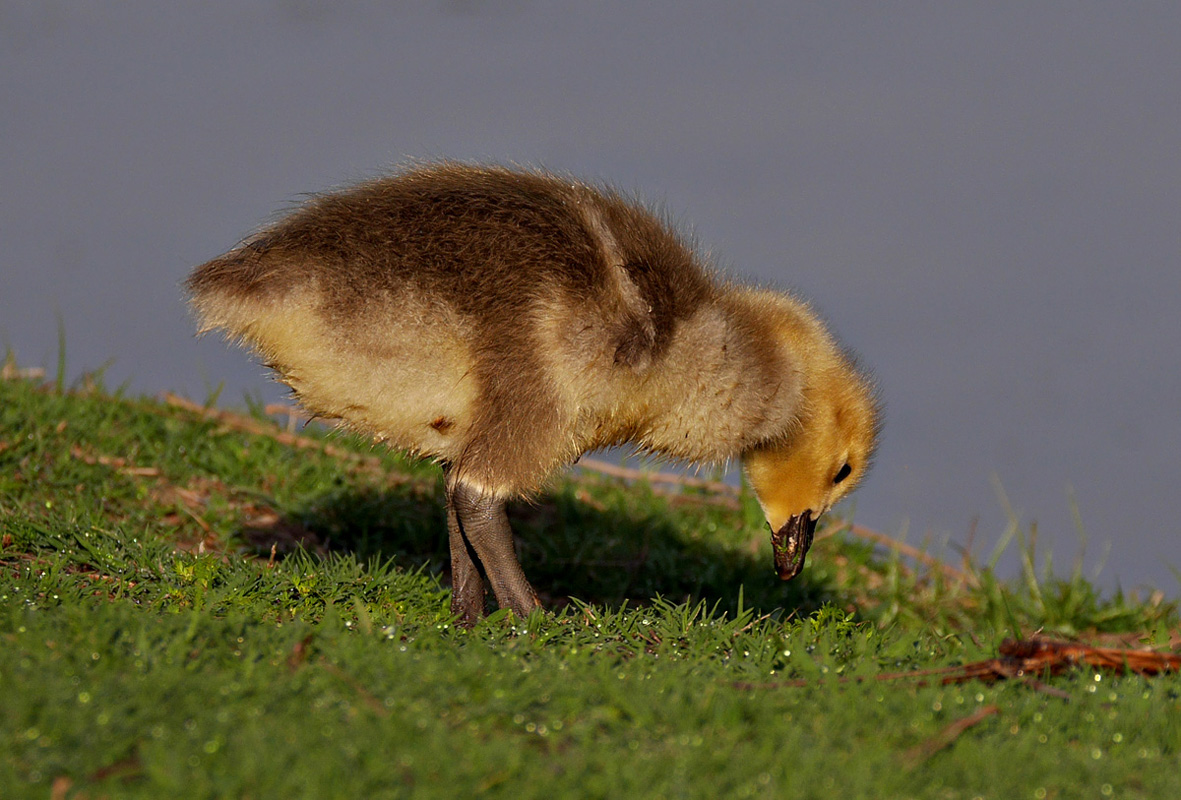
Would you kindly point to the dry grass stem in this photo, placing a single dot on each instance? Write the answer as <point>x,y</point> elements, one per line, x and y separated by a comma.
<point>916,756</point>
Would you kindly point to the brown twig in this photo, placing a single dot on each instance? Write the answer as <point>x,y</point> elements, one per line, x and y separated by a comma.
<point>628,473</point>
<point>921,753</point>
<point>9,371</point>
<point>245,424</point>
<point>1021,659</point>
<point>60,788</point>
<point>294,414</point>
<point>370,700</point>
<point>862,532</point>
<point>299,653</point>
<point>114,462</point>
<point>1039,655</point>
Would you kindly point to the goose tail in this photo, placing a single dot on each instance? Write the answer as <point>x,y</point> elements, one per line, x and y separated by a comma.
<point>232,290</point>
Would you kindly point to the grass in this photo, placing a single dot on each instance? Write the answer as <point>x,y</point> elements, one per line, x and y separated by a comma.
<point>198,604</point>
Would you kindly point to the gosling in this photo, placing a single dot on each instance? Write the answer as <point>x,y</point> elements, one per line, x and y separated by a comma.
<point>503,322</point>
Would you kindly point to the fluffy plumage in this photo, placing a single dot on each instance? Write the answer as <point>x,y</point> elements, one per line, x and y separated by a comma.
<point>503,322</point>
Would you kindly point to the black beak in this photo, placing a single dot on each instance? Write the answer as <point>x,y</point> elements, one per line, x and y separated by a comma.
<point>790,544</point>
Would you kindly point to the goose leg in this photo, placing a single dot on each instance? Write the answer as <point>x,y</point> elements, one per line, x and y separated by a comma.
<point>479,527</point>
<point>467,584</point>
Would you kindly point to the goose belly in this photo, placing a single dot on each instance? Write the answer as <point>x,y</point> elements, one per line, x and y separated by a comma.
<point>403,373</point>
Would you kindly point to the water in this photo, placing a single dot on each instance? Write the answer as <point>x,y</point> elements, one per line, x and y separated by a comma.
<point>983,203</point>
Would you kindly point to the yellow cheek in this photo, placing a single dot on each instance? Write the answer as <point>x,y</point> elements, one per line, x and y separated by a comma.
<point>784,487</point>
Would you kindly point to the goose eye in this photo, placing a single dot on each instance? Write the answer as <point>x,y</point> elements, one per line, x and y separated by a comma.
<point>842,474</point>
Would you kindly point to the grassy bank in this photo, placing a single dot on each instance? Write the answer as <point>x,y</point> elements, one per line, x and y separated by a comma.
<point>200,604</point>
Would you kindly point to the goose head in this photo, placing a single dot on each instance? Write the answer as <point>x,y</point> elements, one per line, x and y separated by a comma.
<point>804,474</point>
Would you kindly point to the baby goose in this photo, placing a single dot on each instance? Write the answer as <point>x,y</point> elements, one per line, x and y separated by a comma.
<point>504,322</point>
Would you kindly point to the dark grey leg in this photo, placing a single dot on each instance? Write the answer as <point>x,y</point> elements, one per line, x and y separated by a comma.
<point>477,523</point>
<point>467,584</point>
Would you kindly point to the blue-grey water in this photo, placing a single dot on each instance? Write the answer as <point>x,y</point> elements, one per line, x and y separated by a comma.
<point>984,200</point>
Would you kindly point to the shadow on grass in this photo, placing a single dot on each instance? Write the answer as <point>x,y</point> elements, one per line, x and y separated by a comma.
<point>569,549</point>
